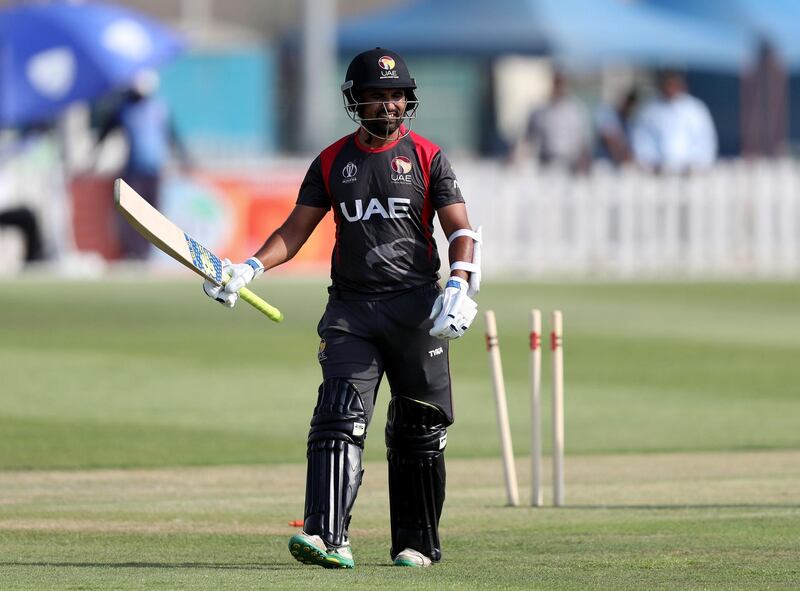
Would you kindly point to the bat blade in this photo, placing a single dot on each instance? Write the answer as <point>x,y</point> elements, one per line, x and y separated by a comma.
<point>169,238</point>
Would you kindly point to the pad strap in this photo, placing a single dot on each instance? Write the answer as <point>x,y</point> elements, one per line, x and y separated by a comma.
<point>476,236</point>
<point>472,267</point>
<point>464,266</point>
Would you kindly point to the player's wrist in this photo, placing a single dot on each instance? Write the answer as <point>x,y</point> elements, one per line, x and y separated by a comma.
<point>459,274</point>
<point>255,264</point>
<point>457,282</point>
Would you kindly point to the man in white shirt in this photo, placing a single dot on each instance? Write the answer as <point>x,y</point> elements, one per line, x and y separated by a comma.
<point>674,132</point>
<point>560,130</point>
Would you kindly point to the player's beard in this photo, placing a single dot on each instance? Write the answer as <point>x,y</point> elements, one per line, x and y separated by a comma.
<point>383,128</point>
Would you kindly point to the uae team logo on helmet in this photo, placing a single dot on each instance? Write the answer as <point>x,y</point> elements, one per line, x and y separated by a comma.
<point>387,64</point>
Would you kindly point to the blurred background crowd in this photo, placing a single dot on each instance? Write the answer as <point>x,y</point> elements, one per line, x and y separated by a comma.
<point>594,137</point>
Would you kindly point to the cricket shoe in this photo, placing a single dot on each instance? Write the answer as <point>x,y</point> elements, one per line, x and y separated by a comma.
<point>310,549</point>
<point>409,557</point>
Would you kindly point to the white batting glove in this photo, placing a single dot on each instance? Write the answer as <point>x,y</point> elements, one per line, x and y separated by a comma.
<point>453,311</point>
<point>217,292</point>
<point>240,275</point>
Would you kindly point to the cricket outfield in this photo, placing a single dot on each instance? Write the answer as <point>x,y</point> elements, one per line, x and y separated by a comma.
<point>150,439</point>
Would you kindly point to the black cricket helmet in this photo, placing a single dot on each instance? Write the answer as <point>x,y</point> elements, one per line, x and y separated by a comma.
<point>377,68</point>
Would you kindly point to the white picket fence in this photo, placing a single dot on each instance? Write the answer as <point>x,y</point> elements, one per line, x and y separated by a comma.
<point>738,220</point>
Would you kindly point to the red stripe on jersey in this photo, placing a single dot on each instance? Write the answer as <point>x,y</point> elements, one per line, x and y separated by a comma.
<point>337,218</point>
<point>326,158</point>
<point>426,151</point>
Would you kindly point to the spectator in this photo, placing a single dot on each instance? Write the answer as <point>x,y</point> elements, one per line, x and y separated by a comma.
<point>24,219</point>
<point>145,119</point>
<point>560,130</point>
<point>13,211</point>
<point>674,132</point>
<point>614,128</point>
<point>765,98</point>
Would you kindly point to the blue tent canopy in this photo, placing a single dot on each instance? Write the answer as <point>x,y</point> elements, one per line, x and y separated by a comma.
<point>614,31</point>
<point>473,27</point>
<point>588,33</point>
<point>775,20</point>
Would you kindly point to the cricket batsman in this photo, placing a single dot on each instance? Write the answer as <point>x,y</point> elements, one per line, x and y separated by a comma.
<point>386,313</point>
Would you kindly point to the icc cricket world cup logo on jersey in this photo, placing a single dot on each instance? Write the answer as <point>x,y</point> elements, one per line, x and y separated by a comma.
<point>349,173</point>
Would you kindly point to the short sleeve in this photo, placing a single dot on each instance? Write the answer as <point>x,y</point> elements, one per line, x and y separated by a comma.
<point>444,188</point>
<point>313,191</point>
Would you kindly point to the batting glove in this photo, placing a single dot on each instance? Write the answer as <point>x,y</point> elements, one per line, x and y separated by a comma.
<point>453,311</point>
<point>240,275</point>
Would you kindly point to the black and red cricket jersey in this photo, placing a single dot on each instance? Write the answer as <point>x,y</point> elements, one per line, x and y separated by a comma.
<point>383,201</point>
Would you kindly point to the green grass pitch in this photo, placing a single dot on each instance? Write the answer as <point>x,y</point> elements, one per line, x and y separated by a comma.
<point>150,439</point>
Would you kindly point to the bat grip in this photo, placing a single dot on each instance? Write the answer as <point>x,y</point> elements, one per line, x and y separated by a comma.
<point>262,306</point>
<point>270,311</point>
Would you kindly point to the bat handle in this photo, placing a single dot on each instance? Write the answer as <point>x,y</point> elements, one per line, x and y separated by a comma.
<point>270,311</point>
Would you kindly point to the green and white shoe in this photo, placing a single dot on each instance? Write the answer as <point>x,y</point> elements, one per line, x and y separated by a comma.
<point>412,558</point>
<point>310,549</point>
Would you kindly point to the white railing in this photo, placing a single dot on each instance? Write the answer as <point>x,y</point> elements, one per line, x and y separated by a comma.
<point>738,220</point>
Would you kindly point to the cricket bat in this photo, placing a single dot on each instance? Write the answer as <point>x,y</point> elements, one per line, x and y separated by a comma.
<point>168,237</point>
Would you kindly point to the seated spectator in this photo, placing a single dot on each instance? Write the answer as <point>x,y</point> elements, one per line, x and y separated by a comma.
<point>25,221</point>
<point>560,131</point>
<point>674,132</point>
<point>14,211</point>
<point>614,128</point>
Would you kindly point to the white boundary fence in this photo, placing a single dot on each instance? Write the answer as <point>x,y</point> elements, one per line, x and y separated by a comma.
<point>738,220</point>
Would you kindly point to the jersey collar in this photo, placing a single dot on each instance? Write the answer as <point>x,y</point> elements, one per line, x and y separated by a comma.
<point>364,148</point>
